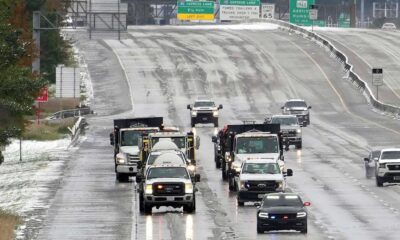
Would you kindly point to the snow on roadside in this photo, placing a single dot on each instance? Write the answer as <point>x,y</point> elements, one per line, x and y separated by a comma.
<point>240,26</point>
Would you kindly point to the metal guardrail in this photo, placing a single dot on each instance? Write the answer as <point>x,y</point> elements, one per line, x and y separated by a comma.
<point>347,66</point>
<point>70,113</point>
<point>75,131</point>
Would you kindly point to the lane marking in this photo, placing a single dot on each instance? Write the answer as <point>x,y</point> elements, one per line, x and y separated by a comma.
<point>362,59</point>
<point>338,94</point>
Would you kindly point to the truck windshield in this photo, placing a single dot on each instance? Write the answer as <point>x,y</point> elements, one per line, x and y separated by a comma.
<point>179,141</point>
<point>131,137</point>
<point>261,168</point>
<point>391,155</point>
<point>296,104</point>
<point>204,104</point>
<point>285,120</point>
<point>168,172</point>
<point>257,145</point>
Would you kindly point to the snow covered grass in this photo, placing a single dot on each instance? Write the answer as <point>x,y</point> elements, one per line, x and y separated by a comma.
<point>8,223</point>
<point>48,131</point>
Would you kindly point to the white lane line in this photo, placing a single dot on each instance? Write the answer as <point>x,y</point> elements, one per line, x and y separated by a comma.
<point>339,96</point>
<point>126,74</point>
<point>364,60</point>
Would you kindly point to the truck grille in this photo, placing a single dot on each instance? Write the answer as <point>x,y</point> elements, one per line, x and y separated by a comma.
<point>264,186</point>
<point>204,114</point>
<point>394,167</point>
<point>296,112</point>
<point>133,159</point>
<point>168,189</point>
<point>289,133</point>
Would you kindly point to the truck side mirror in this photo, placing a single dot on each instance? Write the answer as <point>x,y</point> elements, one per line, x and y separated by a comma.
<point>197,177</point>
<point>309,107</point>
<point>220,106</point>
<point>282,107</point>
<point>189,107</point>
<point>366,159</point>
<point>214,139</point>
<point>112,139</point>
<point>289,172</point>
<point>139,178</point>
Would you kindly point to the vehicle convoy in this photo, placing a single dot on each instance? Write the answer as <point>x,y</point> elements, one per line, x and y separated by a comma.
<point>204,111</point>
<point>290,128</point>
<point>238,143</point>
<point>299,108</point>
<point>186,142</point>
<point>258,177</point>
<point>282,211</point>
<point>388,166</point>
<point>370,163</point>
<point>125,140</point>
<point>167,185</point>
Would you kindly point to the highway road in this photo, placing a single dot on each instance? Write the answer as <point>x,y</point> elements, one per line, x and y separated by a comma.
<point>367,49</point>
<point>251,71</point>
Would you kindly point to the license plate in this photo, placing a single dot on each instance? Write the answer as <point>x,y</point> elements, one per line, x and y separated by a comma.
<point>261,195</point>
<point>396,177</point>
<point>204,118</point>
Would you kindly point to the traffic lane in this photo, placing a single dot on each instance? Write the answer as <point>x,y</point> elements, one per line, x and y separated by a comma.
<point>347,123</point>
<point>107,77</point>
<point>146,64</point>
<point>334,98</point>
<point>364,53</point>
<point>240,222</point>
<point>90,202</point>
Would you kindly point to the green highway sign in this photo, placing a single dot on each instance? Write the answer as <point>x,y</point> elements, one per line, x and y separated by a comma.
<point>299,12</point>
<point>190,10</point>
<point>240,2</point>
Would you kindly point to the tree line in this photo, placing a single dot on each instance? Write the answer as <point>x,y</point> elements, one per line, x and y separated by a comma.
<point>19,87</point>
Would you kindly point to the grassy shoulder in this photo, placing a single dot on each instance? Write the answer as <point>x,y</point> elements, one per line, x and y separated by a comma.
<point>47,131</point>
<point>8,224</point>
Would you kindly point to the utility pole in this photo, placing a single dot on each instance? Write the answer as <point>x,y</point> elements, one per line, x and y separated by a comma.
<point>36,38</point>
<point>353,14</point>
<point>362,14</point>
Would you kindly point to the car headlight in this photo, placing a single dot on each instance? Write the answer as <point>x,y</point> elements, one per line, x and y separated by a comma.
<point>149,189</point>
<point>298,130</point>
<point>263,215</point>
<point>194,113</point>
<point>242,185</point>
<point>191,168</point>
<point>228,157</point>
<point>382,165</point>
<point>301,214</point>
<point>236,166</point>
<point>188,188</point>
<point>215,113</point>
<point>121,158</point>
<point>279,185</point>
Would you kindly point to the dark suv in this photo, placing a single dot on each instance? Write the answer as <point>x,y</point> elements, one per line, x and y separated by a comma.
<point>282,211</point>
<point>299,108</point>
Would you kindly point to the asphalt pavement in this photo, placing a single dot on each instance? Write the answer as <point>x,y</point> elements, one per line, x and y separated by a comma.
<point>157,71</point>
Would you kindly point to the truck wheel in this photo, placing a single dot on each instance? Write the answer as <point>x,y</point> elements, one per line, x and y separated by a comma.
<point>240,203</point>
<point>217,162</point>
<point>379,181</point>
<point>141,203</point>
<point>231,184</point>
<point>260,230</point>
<point>191,207</point>
<point>192,122</point>
<point>122,177</point>
<point>215,122</point>
<point>304,230</point>
<point>299,145</point>
<point>147,209</point>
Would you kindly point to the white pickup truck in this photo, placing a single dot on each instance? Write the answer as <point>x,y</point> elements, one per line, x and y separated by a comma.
<point>388,166</point>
